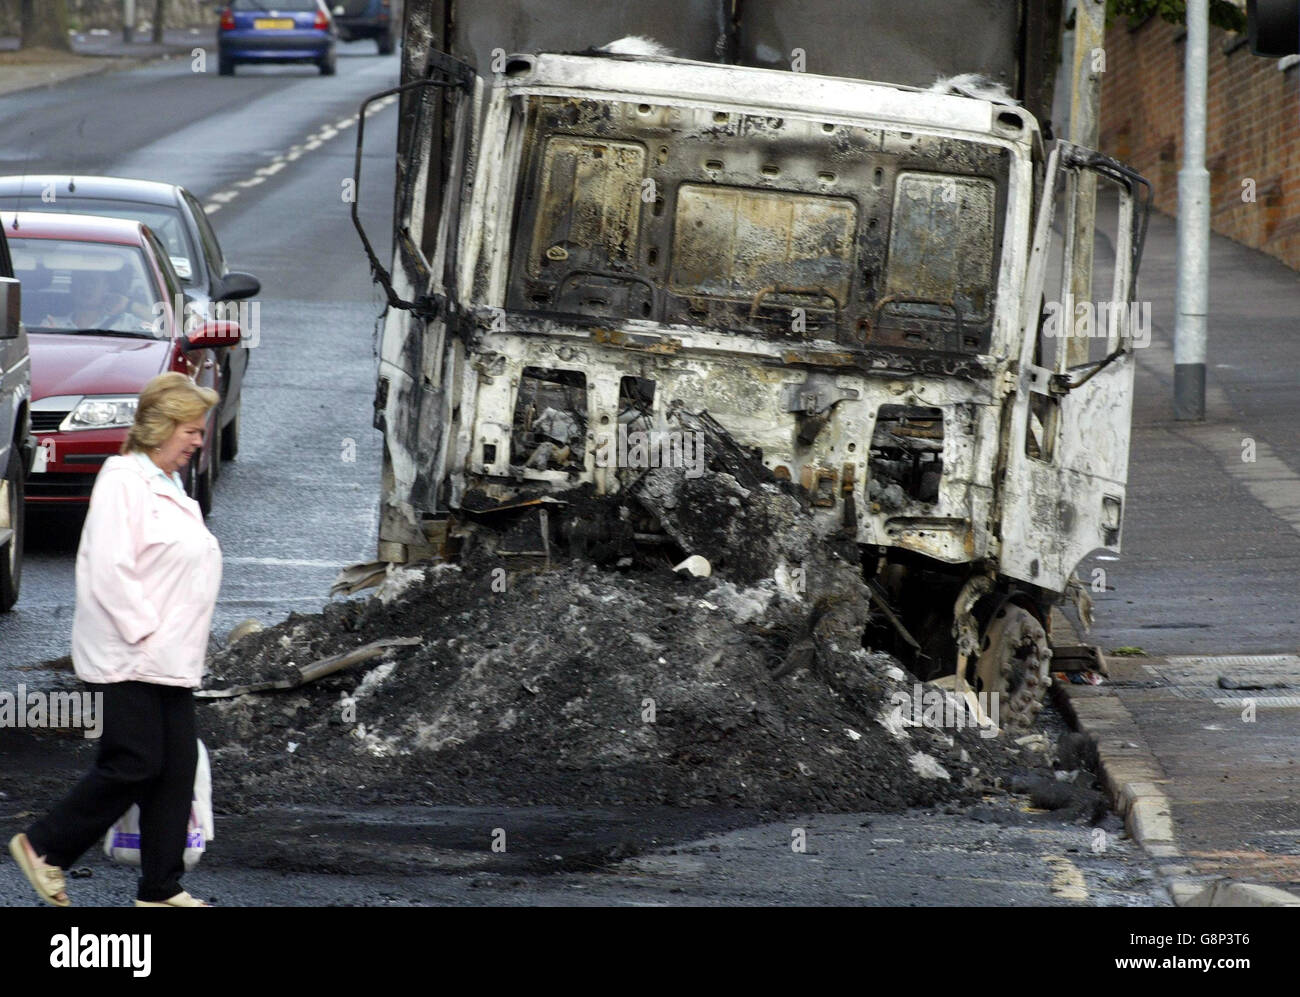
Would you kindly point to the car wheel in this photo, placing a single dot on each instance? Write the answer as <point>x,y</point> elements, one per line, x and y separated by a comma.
<point>386,43</point>
<point>327,65</point>
<point>190,479</point>
<point>225,66</point>
<point>207,485</point>
<point>199,484</point>
<point>12,515</point>
<point>230,434</point>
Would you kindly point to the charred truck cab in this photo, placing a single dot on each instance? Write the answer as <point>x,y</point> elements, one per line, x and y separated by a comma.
<point>874,287</point>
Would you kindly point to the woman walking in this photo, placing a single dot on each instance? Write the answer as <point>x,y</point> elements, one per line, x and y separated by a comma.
<point>147,573</point>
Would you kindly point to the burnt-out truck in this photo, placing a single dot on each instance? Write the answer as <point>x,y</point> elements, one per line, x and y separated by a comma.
<point>892,293</point>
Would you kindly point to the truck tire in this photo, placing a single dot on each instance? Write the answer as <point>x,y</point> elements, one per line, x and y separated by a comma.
<point>1014,662</point>
<point>12,516</point>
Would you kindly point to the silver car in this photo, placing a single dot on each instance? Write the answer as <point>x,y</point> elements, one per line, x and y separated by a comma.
<point>17,446</point>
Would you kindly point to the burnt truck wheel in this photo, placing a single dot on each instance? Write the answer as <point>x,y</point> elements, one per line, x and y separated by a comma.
<point>11,518</point>
<point>1014,662</point>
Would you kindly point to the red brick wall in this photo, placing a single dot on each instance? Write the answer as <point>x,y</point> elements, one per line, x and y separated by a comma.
<point>1253,130</point>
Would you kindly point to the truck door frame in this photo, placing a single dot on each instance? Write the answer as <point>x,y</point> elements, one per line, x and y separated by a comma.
<point>1066,501</point>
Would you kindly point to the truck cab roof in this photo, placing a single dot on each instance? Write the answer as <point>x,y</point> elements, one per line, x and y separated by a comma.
<point>684,82</point>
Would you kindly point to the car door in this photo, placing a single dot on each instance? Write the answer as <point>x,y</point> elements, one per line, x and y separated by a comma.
<point>1064,489</point>
<point>200,364</point>
<point>15,438</point>
<point>15,367</point>
<point>234,360</point>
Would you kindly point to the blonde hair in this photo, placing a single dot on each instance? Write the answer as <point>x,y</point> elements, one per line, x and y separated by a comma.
<point>167,401</point>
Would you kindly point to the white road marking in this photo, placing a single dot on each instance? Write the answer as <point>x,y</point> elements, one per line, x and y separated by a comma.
<point>282,562</point>
<point>1261,702</point>
<point>278,162</point>
<point>1216,663</point>
<point>1067,881</point>
<point>1191,673</point>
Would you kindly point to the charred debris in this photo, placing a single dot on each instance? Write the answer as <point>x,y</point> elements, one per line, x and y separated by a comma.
<point>558,658</point>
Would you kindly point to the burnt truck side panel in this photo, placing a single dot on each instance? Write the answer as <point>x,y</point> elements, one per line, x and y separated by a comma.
<point>849,278</point>
<point>779,272</point>
<point>1012,42</point>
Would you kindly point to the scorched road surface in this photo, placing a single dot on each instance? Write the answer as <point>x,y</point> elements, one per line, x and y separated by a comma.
<point>998,854</point>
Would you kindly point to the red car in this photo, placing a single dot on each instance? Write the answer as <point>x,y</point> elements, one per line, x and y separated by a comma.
<point>105,312</point>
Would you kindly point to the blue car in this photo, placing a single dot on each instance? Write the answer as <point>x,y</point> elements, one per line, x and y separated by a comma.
<point>377,19</point>
<point>276,31</point>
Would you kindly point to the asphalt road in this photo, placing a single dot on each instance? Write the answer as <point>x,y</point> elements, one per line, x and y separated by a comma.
<point>871,860</point>
<point>264,151</point>
<point>998,854</point>
<point>301,498</point>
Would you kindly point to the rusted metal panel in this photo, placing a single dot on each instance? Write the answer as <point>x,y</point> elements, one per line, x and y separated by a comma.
<point>1068,437</point>
<point>749,216</point>
<point>740,243</point>
<point>942,254</point>
<point>745,220</point>
<point>589,212</point>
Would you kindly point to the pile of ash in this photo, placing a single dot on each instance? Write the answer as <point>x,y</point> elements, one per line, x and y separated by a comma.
<point>598,675</point>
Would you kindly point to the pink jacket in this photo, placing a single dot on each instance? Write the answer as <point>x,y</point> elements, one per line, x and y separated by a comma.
<point>148,572</point>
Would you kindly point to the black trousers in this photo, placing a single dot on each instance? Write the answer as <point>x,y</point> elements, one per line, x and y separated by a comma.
<point>147,755</point>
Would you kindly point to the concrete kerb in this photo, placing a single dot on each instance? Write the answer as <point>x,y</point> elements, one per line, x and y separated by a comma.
<point>1134,777</point>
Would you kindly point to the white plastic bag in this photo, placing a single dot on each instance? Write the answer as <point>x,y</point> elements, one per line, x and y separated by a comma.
<point>122,843</point>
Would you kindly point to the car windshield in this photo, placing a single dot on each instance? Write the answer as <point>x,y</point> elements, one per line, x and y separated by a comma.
<point>166,222</point>
<point>276,5</point>
<point>71,286</point>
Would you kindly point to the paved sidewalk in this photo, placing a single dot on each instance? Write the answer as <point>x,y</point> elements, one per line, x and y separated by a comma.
<point>92,53</point>
<point>1211,561</point>
<point>1209,587</point>
<point>1207,778</point>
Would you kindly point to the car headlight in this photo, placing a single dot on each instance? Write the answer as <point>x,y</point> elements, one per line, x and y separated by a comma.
<point>100,412</point>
